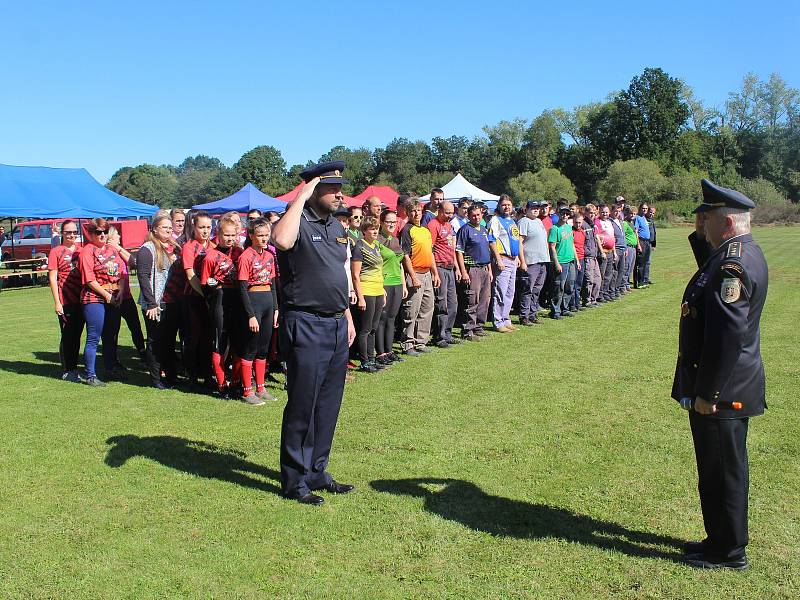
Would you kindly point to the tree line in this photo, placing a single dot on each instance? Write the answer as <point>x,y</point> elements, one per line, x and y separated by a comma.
<point>652,141</point>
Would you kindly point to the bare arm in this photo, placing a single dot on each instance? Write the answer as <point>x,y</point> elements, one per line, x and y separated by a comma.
<point>355,268</point>
<point>284,234</point>
<point>52,277</point>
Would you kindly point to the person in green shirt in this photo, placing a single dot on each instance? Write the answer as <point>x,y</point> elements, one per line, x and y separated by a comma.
<point>394,286</point>
<point>562,252</point>
<point>632,243</point>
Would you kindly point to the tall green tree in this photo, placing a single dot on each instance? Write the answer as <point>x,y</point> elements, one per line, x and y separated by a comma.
<point>542,143</point>
<point>264,167</point>
<point>650,115</point>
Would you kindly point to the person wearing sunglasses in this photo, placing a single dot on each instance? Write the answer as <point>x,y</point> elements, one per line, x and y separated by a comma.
<point>65,284</point>
<point>354,222</point>
<point>103,277</point>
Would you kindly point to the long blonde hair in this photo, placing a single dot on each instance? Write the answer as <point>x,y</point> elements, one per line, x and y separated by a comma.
<point>162,259</point>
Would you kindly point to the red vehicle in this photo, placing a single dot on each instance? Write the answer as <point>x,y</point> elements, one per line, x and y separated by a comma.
<point>29,239</point>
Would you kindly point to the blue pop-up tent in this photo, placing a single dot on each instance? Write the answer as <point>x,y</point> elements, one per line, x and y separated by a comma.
<point>246,199</point>
<point>50,193</point>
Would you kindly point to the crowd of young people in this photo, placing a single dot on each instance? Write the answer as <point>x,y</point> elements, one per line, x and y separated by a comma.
<point>209,292</point>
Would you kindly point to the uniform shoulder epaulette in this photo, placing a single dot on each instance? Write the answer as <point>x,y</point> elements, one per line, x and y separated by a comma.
<point>734,250</point>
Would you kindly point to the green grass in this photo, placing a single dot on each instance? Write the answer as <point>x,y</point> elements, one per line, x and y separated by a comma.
<point>548,463</point>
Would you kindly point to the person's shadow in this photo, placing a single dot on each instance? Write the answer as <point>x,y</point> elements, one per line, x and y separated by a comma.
<point>193,457</point>
<point>466,503</point>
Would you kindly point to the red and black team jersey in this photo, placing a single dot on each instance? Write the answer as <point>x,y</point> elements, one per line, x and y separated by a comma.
<point>103,265</point>
<point>65,261</point>
<point>193,255</point>
<point>176,278</point>
<point>255,268</point>
<point>219,266</point>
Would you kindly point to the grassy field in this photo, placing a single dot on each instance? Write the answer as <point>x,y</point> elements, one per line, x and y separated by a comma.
<point>548,463</point>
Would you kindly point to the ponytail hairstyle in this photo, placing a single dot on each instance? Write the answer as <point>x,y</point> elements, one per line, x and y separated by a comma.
<point>191,222</point>
<point>255,224</point>
<point>162,258</point>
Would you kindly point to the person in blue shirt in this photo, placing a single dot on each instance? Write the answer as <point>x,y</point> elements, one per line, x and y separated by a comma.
<point>642,229</point>
<point>473,259</point>
<point>505,240</point>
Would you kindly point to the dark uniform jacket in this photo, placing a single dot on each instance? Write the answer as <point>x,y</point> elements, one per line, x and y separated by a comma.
<point>719,355</point>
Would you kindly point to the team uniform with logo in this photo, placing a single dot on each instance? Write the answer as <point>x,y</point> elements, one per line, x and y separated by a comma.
<point>105,266</point>
<point>64,261</point>
<point>218,276</point>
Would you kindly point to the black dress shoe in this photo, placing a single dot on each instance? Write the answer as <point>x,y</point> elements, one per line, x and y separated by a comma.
<point>334,487</point>
<point>702,561</point>
<point>309,498</point>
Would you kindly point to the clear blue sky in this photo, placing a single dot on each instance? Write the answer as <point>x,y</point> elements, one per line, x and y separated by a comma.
<point>105,84</point>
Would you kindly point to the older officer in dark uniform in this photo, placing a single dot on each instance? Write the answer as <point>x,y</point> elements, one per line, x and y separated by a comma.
<point>316,331</point>
<point>719,364</point>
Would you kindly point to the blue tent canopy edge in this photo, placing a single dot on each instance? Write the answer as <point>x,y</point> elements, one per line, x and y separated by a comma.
<point>50,193</point>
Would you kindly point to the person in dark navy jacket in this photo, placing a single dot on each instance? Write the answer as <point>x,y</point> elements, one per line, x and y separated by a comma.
<point>316,331</point>
<point>719,363</point>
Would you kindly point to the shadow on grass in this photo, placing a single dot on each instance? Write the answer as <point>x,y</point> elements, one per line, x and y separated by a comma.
<point>466,503</point>
<point>193,457</point>
<point>22,367</point>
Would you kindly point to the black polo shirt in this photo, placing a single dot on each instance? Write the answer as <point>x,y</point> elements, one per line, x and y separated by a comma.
<point>312,272</point>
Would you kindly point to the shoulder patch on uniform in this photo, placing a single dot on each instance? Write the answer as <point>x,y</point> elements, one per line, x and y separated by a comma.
<point>734,250</point>
<point>341,240</point>
<point>731,290</point>
<point>732,268</point>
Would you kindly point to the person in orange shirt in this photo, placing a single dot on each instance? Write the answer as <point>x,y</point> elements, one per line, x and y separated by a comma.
<point>417,243</point>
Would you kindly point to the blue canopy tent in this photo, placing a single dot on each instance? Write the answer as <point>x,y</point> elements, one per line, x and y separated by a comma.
<point>246,199</point>
<point>50,193</point>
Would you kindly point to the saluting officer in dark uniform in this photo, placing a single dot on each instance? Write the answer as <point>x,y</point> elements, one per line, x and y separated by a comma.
<point>719,363</point>
<point>316,331</point>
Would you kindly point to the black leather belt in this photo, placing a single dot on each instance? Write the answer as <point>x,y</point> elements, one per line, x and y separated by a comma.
<point>317,313</point>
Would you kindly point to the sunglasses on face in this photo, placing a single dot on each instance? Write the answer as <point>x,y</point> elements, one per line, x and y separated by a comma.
<point>100,231</point>
<point>69,232</point>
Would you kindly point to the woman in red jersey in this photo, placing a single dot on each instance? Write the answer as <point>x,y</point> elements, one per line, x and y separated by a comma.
<point>218,277</point>
<point>103,277</point>
<point>65,284</point>
<point>197,356</point>
<point>127,307</point>
<point>256,272</point>
<point>155,269</point>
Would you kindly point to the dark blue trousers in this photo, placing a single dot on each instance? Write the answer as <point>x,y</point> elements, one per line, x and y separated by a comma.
<point>315,349</point>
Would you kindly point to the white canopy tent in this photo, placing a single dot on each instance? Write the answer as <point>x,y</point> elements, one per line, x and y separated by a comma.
<point>459,187</point>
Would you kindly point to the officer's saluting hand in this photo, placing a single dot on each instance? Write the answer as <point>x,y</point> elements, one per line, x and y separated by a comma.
<point>316,331</point>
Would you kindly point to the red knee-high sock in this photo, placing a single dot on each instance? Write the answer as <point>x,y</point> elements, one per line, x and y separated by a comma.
<point>247,376</point>
<point>261,369</point>
<point>236,374</point>
<point>219,369</point>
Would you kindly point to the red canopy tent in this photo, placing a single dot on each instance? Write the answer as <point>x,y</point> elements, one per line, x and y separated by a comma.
<point>292,194</point>
<point>387,195</point>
